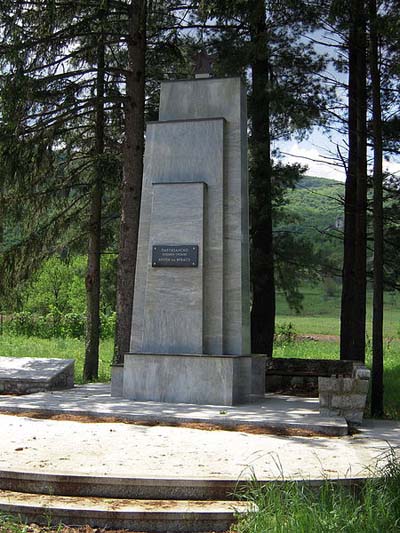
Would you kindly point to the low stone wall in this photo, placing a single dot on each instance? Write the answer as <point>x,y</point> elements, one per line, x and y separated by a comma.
<point>292,375</point>
<point>345,396</point>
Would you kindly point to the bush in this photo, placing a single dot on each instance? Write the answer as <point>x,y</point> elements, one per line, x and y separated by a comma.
<point>107,325</point>
<point>56,324</point>
<point>285,333</point>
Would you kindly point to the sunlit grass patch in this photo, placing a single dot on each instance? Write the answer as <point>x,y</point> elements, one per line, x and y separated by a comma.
<point>297,508</point>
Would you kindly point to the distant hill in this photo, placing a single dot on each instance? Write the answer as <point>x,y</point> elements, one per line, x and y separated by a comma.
<point>316,208</point>
<point>313,182</point>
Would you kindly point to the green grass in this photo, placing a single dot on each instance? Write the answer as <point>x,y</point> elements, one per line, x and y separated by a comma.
<point>295,508</point>
<point>321,313</point>
<point>13,346</point>
<point>14,524</point>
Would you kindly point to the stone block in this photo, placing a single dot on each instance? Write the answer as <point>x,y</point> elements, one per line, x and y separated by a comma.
<point>348,384</point>
<point>345,396</point>
<point>348,401</point>
<point>173,311</point>
<point>297,381</point>
<point>117,380</point>
<point>258,375</point>
<point>362,373</point>
<point>324,400</point>
<point>361,386</point>
<point>353,416</point>
<point>329,412</point>
<point>189,378</point>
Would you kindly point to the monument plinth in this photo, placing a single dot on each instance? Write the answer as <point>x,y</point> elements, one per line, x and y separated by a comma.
<point>190,338</point>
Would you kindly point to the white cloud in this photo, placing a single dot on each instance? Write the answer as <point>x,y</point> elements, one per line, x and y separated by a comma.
<point>392,166</point>
<point>321,165</point>
<point>314,160</point>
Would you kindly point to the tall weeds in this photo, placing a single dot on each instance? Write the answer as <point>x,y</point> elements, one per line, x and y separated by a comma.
<point>371,507</point>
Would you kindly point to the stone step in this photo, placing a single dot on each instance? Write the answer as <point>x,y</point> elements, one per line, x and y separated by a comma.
<point>119,487</point>
<point>155,516</point>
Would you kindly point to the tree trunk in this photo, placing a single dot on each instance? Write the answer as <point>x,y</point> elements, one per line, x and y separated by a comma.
<point>92,281</point>
<point>353,310</point>
<point>263,308</point>
<point>377,317</point>
<point>132,176</point>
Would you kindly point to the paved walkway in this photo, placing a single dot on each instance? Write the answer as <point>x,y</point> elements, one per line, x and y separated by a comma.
<point>283,413</point>
<point>129,450</point>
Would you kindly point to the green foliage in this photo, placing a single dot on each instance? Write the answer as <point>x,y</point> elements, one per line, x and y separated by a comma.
<point>313,213</point>
<point>297,508</point>
<point>10,524</point>
<point>56,325</point>
<point>60,285</point>
<point>54,302</point>
<point>285,333</point>
<point>56,286</point>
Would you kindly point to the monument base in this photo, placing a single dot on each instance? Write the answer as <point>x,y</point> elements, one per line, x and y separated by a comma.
<point>188,378</point>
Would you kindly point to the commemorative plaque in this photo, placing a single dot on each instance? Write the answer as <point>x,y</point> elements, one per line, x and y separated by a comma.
<point>182,255</point>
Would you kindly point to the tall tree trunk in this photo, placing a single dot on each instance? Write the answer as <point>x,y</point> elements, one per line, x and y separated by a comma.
<point>132,176</point>
<point>263,308</point>
<point>2,216</point>
<point>377,317</point>
<point>353,310</point>
<point>92,281</point>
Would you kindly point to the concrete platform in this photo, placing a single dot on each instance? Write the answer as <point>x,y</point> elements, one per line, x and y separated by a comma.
<point>27,375</point>
<point>124,452</point>
<point>274,413</point>
<point>123,461</point>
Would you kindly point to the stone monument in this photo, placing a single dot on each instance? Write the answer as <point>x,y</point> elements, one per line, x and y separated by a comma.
<point>190,338</point>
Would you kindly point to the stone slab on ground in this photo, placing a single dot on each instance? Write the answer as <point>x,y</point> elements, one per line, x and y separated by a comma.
<point>27,375</point>
<point>282,414</point>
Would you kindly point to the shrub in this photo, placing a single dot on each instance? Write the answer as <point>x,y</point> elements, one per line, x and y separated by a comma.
<point>56,324</point>
<point>285,333</point>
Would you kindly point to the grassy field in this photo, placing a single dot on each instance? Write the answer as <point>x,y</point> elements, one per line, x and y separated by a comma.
<point>321,313</point>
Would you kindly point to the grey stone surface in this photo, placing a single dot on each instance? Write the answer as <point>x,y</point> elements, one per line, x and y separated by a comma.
<point>271,413</point>
<point>27,375</point>
<point>193,379</point>
<point>212,149</point>
<point>173,307</point>
<point>192,151</point>
<point>117,380</point>
<point>195,192</point>
<point>344,396</point>
<point>258,375</point>
<point>225,97</point>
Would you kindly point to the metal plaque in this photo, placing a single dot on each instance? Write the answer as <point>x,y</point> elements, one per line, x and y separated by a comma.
<point>182,255</point>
